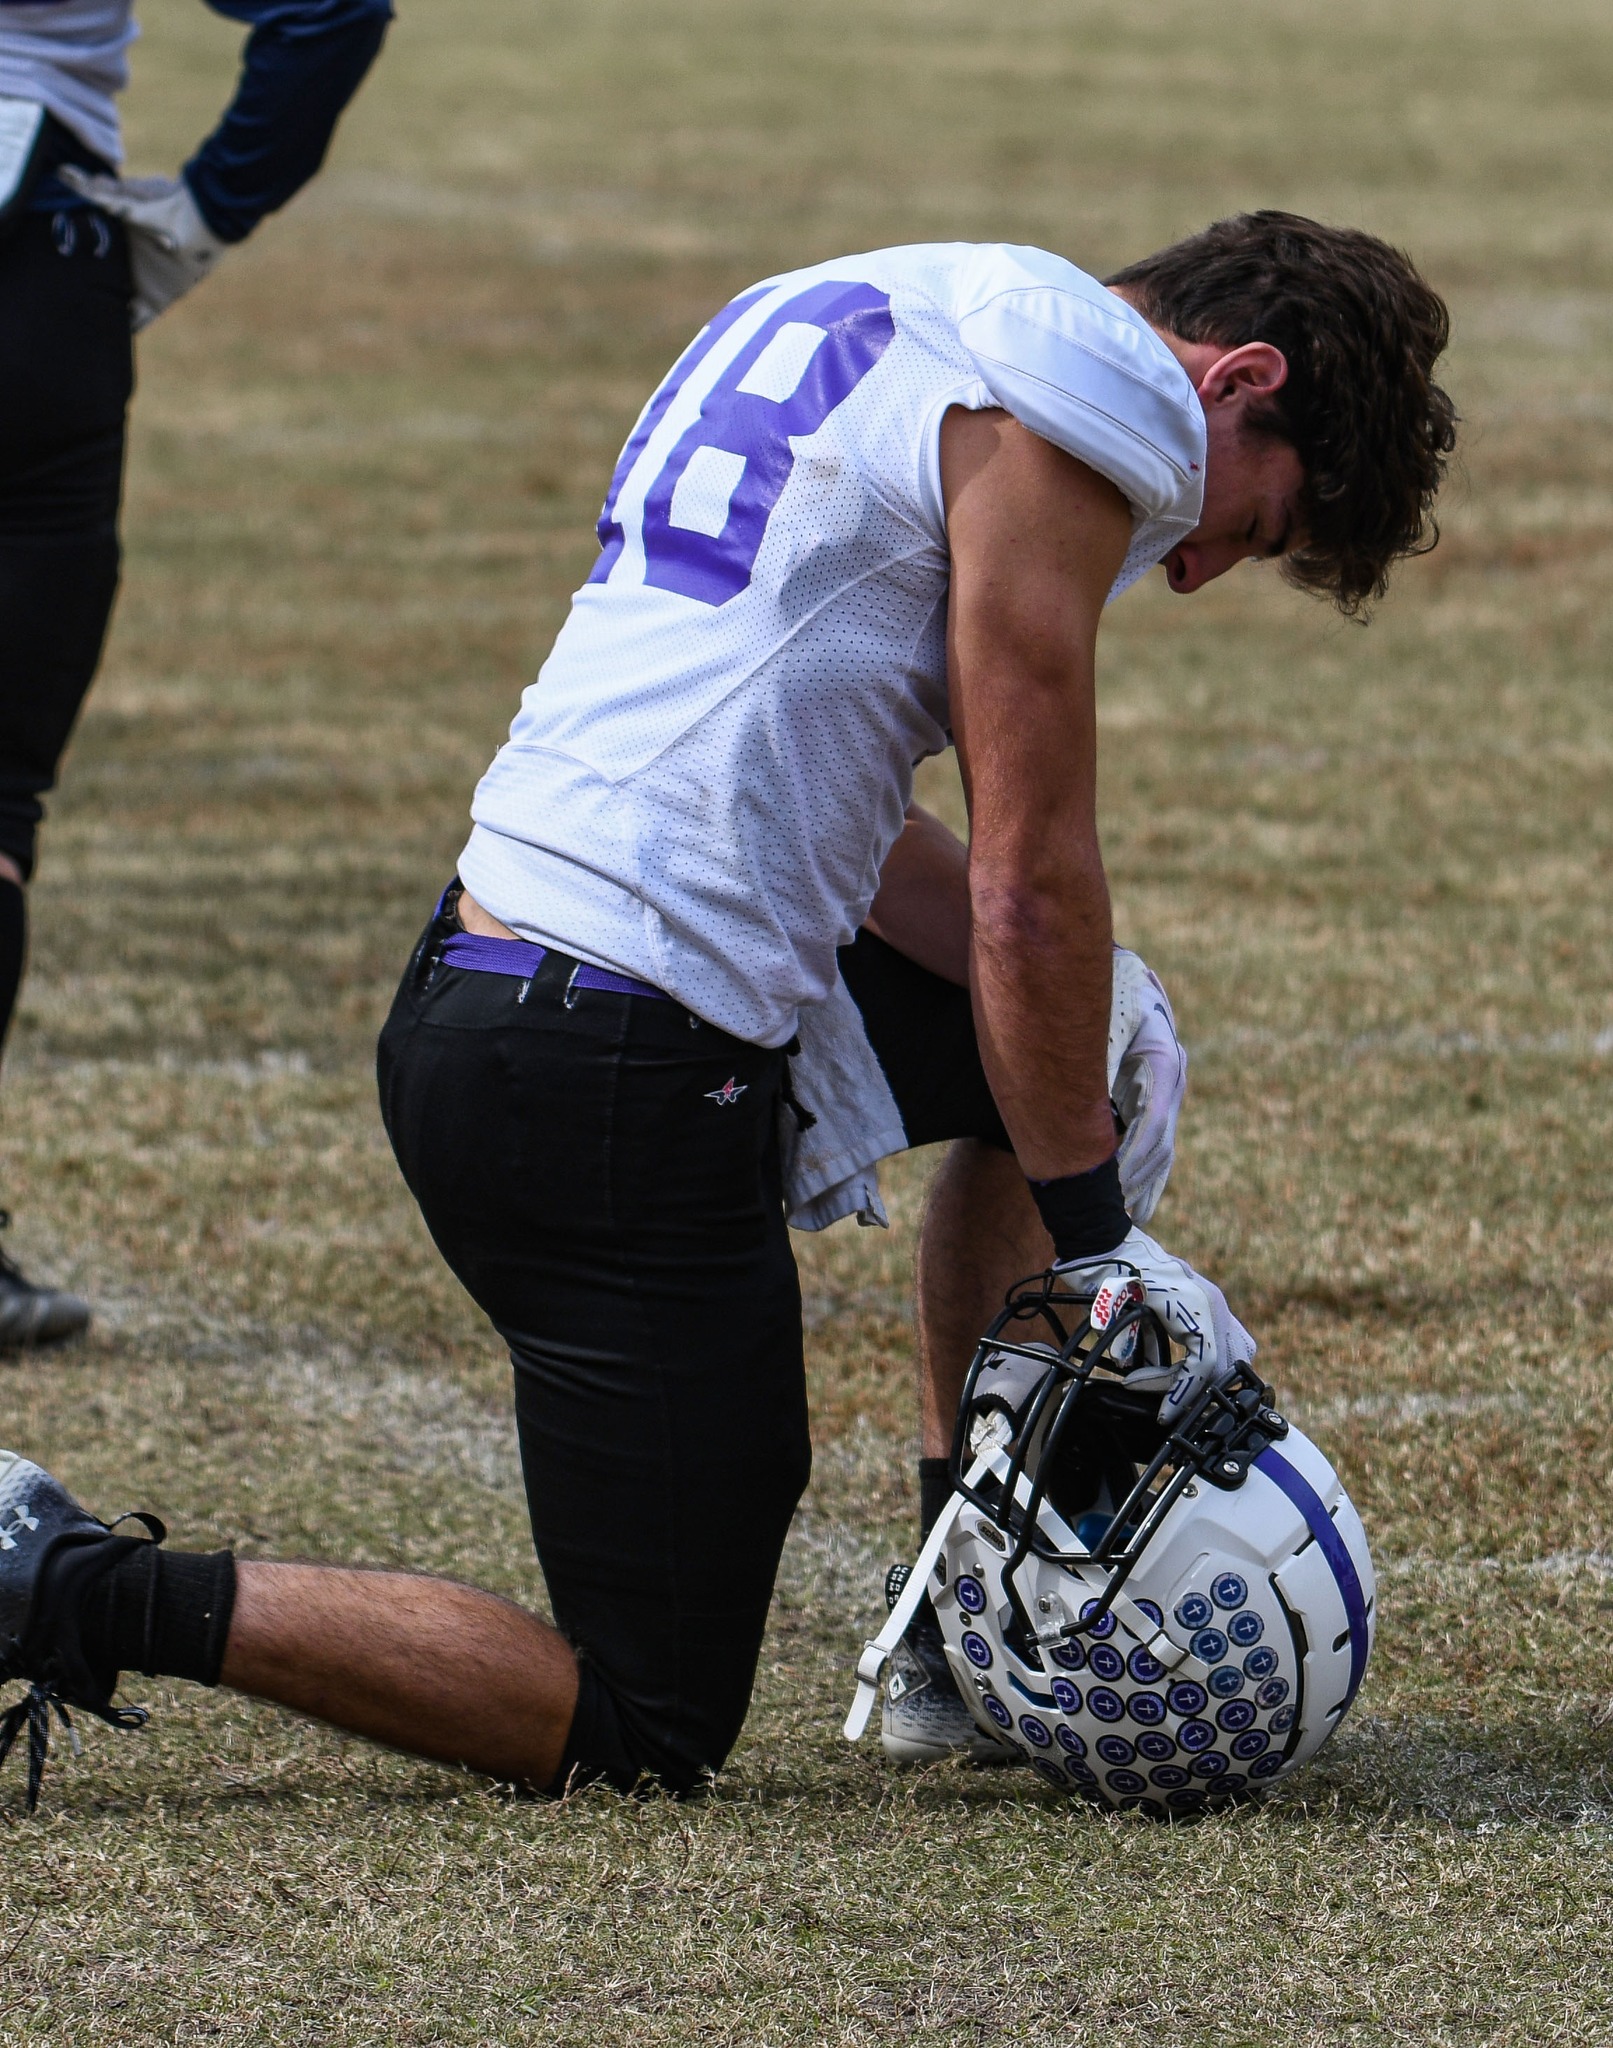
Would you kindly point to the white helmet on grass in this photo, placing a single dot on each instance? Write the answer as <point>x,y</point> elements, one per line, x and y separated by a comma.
<point>1155,1618</point>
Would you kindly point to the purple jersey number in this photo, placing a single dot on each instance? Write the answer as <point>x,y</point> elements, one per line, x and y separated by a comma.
<point>702,541</point>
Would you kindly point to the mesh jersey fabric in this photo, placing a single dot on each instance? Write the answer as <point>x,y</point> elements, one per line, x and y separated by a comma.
<point>705,779</point>
<point>72,57</point>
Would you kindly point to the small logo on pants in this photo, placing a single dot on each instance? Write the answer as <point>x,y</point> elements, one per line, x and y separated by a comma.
<point>730,1091</point>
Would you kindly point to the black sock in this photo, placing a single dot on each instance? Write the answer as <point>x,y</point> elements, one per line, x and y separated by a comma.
<point>162,1612</point>
<point>935,1490</point>
<point>13,948</point>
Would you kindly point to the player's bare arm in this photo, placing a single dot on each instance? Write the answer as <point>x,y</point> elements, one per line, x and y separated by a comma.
<point>1037,540</point>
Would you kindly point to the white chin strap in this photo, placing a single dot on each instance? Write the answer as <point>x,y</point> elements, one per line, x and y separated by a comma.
<point>872,1661</point>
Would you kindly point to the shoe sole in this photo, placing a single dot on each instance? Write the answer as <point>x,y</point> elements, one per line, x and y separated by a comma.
<point>903,1749</point>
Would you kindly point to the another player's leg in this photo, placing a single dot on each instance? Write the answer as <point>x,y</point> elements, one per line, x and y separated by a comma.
<point>65,376</point>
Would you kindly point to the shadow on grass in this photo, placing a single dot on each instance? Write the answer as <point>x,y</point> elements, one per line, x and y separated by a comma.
<point>1384,1772</point>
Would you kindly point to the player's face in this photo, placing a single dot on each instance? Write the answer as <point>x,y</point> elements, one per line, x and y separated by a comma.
<point>1252,487</point>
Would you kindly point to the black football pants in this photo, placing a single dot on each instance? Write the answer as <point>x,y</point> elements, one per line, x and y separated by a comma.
<point>66,371</point>
<point>604,1178</point>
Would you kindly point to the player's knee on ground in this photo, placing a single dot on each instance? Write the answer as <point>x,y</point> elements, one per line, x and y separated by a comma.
<point>633,1743</point>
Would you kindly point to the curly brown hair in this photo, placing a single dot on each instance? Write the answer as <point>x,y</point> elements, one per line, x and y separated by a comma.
<point>1361,332</point>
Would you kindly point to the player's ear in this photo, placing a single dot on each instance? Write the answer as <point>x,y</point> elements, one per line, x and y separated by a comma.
<point>1254,370</point>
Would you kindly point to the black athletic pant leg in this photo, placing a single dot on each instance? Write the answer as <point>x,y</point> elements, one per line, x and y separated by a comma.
<point>615,1206</point>
<point>66,372</point>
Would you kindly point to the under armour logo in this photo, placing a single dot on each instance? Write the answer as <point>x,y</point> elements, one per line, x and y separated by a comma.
<point>8,1537</point>
<point>730,1091</point>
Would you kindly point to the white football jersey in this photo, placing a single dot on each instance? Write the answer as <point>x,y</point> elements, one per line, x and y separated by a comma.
<point>72,57</point>
<point>705,779</point>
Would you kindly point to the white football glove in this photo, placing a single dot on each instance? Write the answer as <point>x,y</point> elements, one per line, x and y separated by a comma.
<point>1147,1080</point>
<point>170,246</point>
<point>1193,1309</point>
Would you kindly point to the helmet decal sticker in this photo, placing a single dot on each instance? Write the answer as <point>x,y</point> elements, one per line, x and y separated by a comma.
<point>1195,1611</point>
<point>1236,1714</point>
<point>1107,1705</point>
<point>998,1712</point>
<point>1195,1735</point>
<point>1260,1663</point>
<point>1066,1697</point>
<point>1071,1655</point>
<point>1145,1667</point>
<point>1169,1777</point>
<point>1251,1744</point>
<point>1188,1698</point>
<point>1035,1731</point>
<point>977,1650</point>
<point>1225,1680</point>
<point>1246,1628</point>
<point>1229,1591</point>
<point>1104,1626</point>
<point>1272,1693</point>
<point>1126,1781</point>
<point>971,1596</point>
<point>1068,1739</point>
<point>1146,1707</point>
<point>1155,1746</point>
<point>1209,1646</point>
<point>1106,1662</point>
<point>1115,1749</point>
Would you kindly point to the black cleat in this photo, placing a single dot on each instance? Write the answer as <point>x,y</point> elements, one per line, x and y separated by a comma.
<point>31,1315</point>
<point>52,1552</point>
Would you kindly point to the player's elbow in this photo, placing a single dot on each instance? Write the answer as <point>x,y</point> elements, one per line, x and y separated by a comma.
<point>1027,912</point>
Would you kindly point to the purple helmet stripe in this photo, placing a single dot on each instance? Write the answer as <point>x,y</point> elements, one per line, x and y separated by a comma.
<point>1333,1547</point>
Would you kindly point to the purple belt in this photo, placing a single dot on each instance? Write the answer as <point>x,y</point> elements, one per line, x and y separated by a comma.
<point>522,959</point>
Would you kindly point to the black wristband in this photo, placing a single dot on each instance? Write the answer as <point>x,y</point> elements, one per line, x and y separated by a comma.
<point>1085,1213</point>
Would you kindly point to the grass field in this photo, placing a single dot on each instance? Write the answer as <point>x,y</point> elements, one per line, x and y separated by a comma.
<point>1373,867</point>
